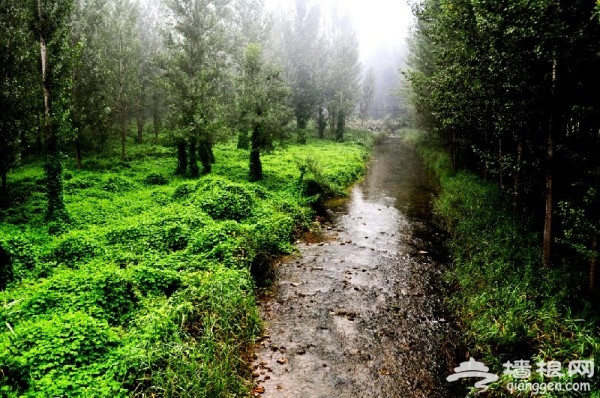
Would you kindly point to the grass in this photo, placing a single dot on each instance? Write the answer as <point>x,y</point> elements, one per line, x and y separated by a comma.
<point>150,290</point>
<point>510,307</point>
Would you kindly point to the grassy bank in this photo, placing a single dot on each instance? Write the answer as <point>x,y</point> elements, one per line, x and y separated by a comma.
<point>149,291</point>
<point>510,307</point>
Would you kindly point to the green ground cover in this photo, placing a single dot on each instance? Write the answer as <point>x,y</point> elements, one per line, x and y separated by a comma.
<point>150,290</point>
<point>509,306</point>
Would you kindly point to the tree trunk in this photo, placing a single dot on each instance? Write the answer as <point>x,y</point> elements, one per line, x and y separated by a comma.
<point>56,207</point>
<point>547,239</point>
<point>181,158</point>
<point>500,163</point>
<point>194,170</point>
<point>206,156</point>
<point>140,128</point>
<point>593,277</point>
<point>321,123</point>
<point>123,137</point>
<point>341,127</point>
<point>4,188</point>
<point>156,116</point>
<point>517,181</point>
<point>78,153</point>
<point>255,164</point>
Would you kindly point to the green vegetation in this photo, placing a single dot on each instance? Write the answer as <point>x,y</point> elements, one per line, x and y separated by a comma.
<point>150,289</point>
<point>510,307</point>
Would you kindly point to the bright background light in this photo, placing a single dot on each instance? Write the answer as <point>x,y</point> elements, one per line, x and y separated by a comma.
<point>380,24</point>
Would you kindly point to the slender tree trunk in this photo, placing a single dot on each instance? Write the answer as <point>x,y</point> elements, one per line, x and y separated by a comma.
<point>123,136</point>
<point>140,128</point>
<point>321,123</point>
<point>517,181</point>
<point>547,239</point>
<point>500,163</point>
<point>341,126</point>
<point>181,158</point>
<point>4,189</point>
<point>78,153</point>
<point>156,116</point>
<point>53,167</point>
<point>194,170</point>
<point>255,164</point>
<point>593,265</point>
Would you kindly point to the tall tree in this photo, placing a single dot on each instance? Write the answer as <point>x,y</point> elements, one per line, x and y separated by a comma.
<point>302,47</point>
<point>51,28</point>
<point>367,95</point>
<point>199,48</point>
<point>15,78</point>
<point>343,79</point>
<point>263,104</point>
<point>125,54</point>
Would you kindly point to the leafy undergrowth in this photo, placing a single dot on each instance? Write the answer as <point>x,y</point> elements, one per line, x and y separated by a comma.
<point>149,291</point>
<point>511,308</point>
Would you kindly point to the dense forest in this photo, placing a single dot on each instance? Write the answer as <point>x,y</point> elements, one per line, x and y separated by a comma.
<point>154,156</point>
<point>506,93</point>
<point>180,67</point>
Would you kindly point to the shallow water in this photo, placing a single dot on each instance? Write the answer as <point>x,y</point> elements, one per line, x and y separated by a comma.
<point>359,313</point>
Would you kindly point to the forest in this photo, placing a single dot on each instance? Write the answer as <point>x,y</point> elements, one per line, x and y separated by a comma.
<point>506,97</point>
<point>154,157</point>
<point>157,155</point>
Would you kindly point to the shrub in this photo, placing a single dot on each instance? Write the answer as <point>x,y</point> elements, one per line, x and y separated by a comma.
<point>155,179</point>
<point>18,257</point>
<point>183,191</point>
<point>224,200</point>
<point>116,183</point>
<point>54,354</point>
<point>156,281</point>
<point>75,248</point>
<point>101,290</point>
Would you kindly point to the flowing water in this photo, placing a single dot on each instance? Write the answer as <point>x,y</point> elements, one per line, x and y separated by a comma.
<point>359,312</point>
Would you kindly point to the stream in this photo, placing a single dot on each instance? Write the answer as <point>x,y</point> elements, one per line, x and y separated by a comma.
<point>358,311</point>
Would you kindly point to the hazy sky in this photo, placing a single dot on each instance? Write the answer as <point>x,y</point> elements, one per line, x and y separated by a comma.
<point>378,22</point>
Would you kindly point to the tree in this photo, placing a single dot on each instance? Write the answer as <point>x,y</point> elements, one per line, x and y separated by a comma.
<point>51,28</point>
<point>125,55</point>
<point>16,75</point>
<point>367,95</point>
<point>196,74</point>
<point>302,47</point>
<point>510,92</point>
<point>90,91</point>
<point>262,103</point>
<point>342,81</point>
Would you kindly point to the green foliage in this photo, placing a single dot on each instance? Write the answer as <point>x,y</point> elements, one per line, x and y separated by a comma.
<point>224,200</point>
<point>155,179</point>
<point>59,355</point>
<point>74,248</point>
<point>163,275</point>
<point>184,191</point>
<point>154,280</point>
<point>507,303</point>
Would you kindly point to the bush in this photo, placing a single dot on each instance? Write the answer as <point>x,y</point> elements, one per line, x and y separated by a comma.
<point>116,183</point>
<point>18,257</point>
<point>183,191</point>
<point>59,355</point>
<point>101,290</point>
<point>156,281</point>
<point>224,200</point>
<point>155,179</point>
<point>75,248</point>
